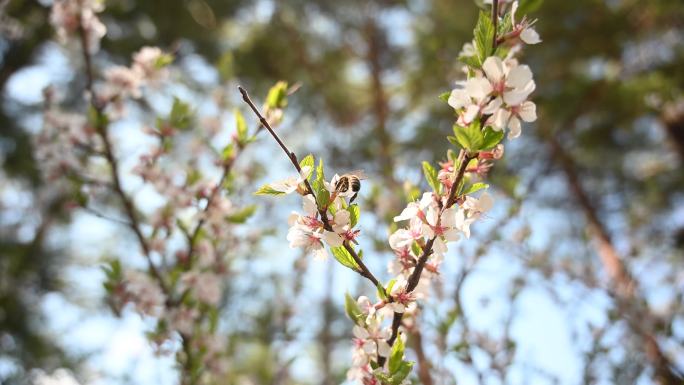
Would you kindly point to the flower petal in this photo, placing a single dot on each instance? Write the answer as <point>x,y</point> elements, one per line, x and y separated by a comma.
<point>530,36</point>
<point>493,68</point>
<point>528,112</point>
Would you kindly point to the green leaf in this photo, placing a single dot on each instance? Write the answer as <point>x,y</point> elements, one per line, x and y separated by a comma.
<point>163,60</point>
<point>491,138</point>
<point>242,215</point>
<point>181,114</point>
<point>470,138</point>
<point>97,118</point>
<point>505,25</point>
<point>431,177</point>
<point>194,176</point>
<point>471,61</point>
<point>268,190</point>
<point>308,161</point>
<point>383,377</point>
<point>397,355</point>
<point>445,96</point>
<point>241,127</point>
<point>342,256</point>
<point>320,175</point>
<point>354,213</point>
<point>352,308</point>
<point>484,36</point>
<point>401,373</point>
<point>228,152</point>
<point>390,285</point>
<point>318,185</point>
<point>322,195</point>
<point>277,95</point>
<point>475,187</point>
<point>415,247</point>
<point>381,292</point>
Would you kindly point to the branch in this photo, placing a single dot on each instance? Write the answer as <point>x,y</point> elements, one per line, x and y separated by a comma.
<point>101,129</point>
<point>364,271</point>
<point>495,21</point>
<point>414,279</point>
<point>623,285</point>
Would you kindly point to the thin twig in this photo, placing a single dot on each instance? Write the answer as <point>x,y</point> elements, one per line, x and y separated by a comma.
<point>364,271</point>
<point>495,21</point>
<point>101,129</point>
<point>414,279</point>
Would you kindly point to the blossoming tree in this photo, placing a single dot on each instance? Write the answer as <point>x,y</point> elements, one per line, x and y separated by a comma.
<point>493,99</point>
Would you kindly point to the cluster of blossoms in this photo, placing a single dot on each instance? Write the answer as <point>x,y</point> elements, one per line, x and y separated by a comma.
<point>70,16</point>
<point>149,68</point>
<point>189,240</point>
<point>309,230</point>
<point>493,98</point>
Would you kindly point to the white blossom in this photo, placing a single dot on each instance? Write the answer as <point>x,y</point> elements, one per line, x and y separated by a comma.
<point>67,16</point>
<point>149,63</point>
<point>145,293</point>
<point>291,184</point>
<point>206,286</point>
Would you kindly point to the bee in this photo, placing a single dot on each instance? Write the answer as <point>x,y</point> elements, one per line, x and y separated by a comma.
<point>349,184</point>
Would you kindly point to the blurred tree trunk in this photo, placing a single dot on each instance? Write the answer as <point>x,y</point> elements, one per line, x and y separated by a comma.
<point>622,285</point>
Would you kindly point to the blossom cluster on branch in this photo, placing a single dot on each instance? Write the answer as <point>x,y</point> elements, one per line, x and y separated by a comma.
<point>494,98</point>
<point>188,239</point>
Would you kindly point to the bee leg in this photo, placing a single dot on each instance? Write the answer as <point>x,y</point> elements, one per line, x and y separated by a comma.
<point>353,197</point>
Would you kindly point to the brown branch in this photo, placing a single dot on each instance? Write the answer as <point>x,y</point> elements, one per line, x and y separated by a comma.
<point>424,365</point>
<point>495,21</point>
<point>414,278</point>
<point>101,129</point>
<point>364,271</point>
<point>623,285</point>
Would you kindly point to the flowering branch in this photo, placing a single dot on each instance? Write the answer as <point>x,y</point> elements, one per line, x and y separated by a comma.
<point>414,278</point>
<point>322,211</point>
<point>101,128</point>
<point>493,99</point>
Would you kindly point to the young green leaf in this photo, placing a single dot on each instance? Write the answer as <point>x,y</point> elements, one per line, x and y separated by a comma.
<point>268,190</point>
<point>342,256</point>
<point>470,61</point>
<point>228,152</point>
<point>181,114</point>
<point>354,213</point>
<point>352,308</point>
<point>484,37</point>
<point>431,177</point>
<point>397,355</point>
<point>470,138</point>
<point>163,60</point>
<point>390,285</point>
<point>491,138</point>
<point>277,95</point>
<point>308,161</point>
<point>475,187</point>
<point>381,292</point>
<point>445,96</point>
<point>402,372</point>
<point>415,247</point>
<point>242,215</point>
<point>318,185</point>
<point>241,127</point>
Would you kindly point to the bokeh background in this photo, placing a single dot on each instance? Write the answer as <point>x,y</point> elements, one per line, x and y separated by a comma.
<point>526,300</point>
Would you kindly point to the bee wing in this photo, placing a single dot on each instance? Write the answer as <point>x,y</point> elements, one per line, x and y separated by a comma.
<point>359,174</point>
